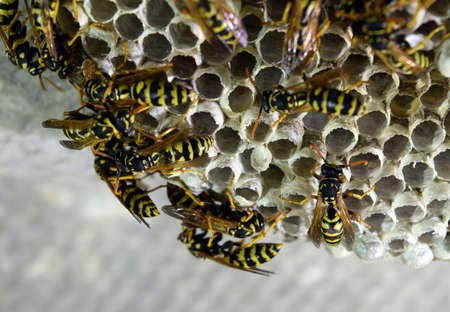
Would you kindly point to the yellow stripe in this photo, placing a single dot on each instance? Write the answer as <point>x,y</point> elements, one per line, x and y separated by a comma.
<point>161,91</point>
<point>339,104</point>
<point>353,104</point>
<point>253,256</point>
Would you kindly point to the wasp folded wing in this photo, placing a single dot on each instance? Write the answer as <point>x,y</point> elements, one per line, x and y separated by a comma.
<point>314,231</point>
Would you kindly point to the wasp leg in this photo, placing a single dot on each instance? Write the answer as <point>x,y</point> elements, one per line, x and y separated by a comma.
<point>358,218</point>
<point>189,193</point>
<point>425,40</point>
<point>357,196</point>
<point>357,163</point>
<point>298,203</point>
<point>211,233</point>
<point>420,6</point>
<point>284,17</point>
<point>276,219</point>
<point>81,30</point>
<point>180,121</point>
<point>279,120</point>
<point>228,193</point>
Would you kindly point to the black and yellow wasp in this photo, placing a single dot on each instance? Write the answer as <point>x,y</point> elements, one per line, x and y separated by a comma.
<point>85,130</point>
<point>179,151</point>
<point>8,12</point>
<point>49,40</point>
<point>332,221</point>
<point>19,50</point>
<point>147,89</point>
<point>385,32</point>
<point>203,212</point>
<point>228,253</point>
<point>303,33</point>
<point>217,20</point>
<point>132,197</point>
<point>305,97</point>
<point>13,33</point>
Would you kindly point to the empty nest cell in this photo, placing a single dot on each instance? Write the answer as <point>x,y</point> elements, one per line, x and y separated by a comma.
<point>396,147</point>
<point>96,48</point>
<point>272,177</point>
<point>214,54</point>
<point>220,176</point>
<point>128,5</point>
<point>315,121</point>
<point>380,84</point>
<point>302,166</point>
<point>129,26</point>
<point>427,135</point>
<point>208,86</point>
<point>388,187</point>
<point>267,77</point>
<point>182,36</point>
<point>240,99</point>
<point>240,62</point>
<point>262,132</point>
<point>403,105</point>
<point>158,13</point>
<point>442,164</point>
<point>253,25</point>
<point>418,174</point>
<point>373,166</point>
<point>156,47</point>
<point>340,140</point>
<point>183,66</point>
<point>271,46</point>
<point>372,124</point>
<point>282,148</point>
<point>203,123</point>
<point>228,140</point>
<point>102,10</point>
<point>332,46</point>
<point>434,97</point>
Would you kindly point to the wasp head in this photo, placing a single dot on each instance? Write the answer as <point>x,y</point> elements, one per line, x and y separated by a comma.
<point>332,171</point>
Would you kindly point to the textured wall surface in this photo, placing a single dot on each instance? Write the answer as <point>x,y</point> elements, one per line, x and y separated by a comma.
<point>68,245</point>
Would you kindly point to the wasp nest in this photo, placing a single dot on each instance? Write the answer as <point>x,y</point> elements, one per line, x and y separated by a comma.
<point>403,134</point>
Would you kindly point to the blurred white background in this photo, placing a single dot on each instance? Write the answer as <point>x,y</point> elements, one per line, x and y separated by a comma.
<point>68,245</point>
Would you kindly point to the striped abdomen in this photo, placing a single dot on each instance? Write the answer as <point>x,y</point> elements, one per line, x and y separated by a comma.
<point>252,256</point>
<point>420,60</point>
<point>22,54</point>
<point>78,134</point>
<point>178,197</point>
<point>188,149</point>
<point>334,102</point>
<point>37,12</point>
<point>332,226</point>
<point>217,23</point>
<point>136,200</point>
<point>153,93</point>
<point>282,101</point>
<point>8,10</point>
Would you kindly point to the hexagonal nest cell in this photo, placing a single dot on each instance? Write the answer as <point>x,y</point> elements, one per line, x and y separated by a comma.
<point>400,140</point>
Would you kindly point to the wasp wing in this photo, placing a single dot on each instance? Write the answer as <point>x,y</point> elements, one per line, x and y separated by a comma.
<point>349,230</point>
<point>68,123</point>
<point>232,20</point>
<point>314,231</point>
<point>198,219</point>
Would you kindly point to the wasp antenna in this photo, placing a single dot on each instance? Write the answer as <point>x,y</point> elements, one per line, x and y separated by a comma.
<point>252,81</point>
<point>316,148</point>
<point>356,163</point>
<point>256,124</point>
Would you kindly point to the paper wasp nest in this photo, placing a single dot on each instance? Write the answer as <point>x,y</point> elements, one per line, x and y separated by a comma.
<point>404,134</point>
